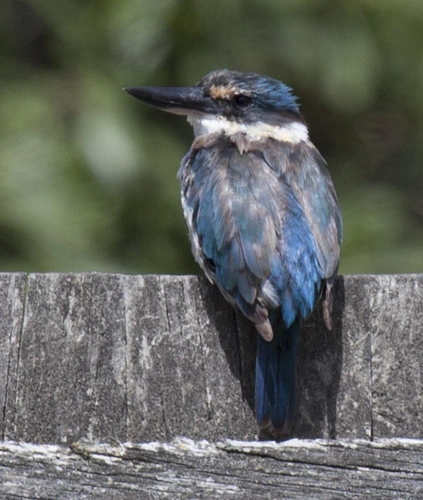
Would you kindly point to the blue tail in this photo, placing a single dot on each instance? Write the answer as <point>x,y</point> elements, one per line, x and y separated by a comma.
<point>275,379</point>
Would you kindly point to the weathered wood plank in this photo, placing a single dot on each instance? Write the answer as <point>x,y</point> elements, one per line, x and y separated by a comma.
<point>71,373</point>
<point>180,381</point>
<point>397,372</point>
<point>12,305</point>
<point>140,358</point>
<point>316,469</point>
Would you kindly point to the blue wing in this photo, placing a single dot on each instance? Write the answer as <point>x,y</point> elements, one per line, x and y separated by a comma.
<point>265,227</point>
<point>303,168</point>
<point>254,227</point>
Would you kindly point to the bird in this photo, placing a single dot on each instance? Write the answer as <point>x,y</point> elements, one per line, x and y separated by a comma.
<point>263,217</point>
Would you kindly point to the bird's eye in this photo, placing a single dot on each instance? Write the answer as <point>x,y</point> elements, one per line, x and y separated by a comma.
<point>243,101</point>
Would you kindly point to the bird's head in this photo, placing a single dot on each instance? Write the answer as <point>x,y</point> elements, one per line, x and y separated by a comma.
<point>230,102</point>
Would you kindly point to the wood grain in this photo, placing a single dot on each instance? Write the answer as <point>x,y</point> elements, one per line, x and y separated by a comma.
<point>183,468</point>
<point>142,358</point>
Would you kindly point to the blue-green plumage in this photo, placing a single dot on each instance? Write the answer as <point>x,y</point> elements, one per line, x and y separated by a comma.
<point>264,220</point>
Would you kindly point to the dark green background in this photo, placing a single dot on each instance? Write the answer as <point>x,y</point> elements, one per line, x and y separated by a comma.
<point>88,174</point>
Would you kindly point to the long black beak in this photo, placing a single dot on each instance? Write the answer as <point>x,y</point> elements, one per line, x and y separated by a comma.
<point>178,100</point>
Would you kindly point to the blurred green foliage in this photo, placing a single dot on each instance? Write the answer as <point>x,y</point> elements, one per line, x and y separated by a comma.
<point>88,175</point>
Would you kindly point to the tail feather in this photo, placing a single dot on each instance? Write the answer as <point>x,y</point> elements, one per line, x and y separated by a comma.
<point>275,379</point>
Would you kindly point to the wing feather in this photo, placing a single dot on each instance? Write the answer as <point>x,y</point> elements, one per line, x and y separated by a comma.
<point>265,226</point>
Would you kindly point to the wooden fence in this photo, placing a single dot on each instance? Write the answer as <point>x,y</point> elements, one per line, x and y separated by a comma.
<point>118,386</point>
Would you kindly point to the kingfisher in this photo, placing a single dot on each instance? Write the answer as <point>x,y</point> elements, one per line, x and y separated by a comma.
<point>263,217</point>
